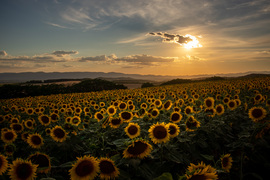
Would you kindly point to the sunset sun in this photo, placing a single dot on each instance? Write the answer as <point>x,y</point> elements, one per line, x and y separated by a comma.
<point>194,43</point>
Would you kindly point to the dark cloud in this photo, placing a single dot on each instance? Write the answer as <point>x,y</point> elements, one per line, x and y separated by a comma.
<point>3,53</point>
<point>63,53</point>
<point>94,58</point>
<point>145,59</point>
<point>172,38</point>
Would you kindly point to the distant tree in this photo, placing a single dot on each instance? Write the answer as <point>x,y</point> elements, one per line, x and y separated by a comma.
<point>145,85</point>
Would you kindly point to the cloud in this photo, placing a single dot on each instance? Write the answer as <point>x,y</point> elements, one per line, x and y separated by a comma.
<point>94,58</point>
<point>3,53</point>
<point>178,39</point>
<point>63,53</point>
<point>192,58</point>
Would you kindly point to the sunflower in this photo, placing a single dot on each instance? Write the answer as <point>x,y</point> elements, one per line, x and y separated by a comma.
<point>201,171</point>
<point>122,106</point>
<point>209,102</point>
<point>111,110</point>
<point>126,116</point>
<point>85,168</point>
<point>133,130</point>
<point>78,110</point>
<point>137,149</point>
<point>9,149</point>
<point>35,140</point>
<point>153,112</point>
<point>76,120</point>
<point>44,120</point>
<point>219,109</point>
<point>22,170</point>
<point>58,134</point>
<point>232,104</point>
<point>99,116</point>
<point>115,122</point>
<point>167,105</point>
<point>2,119</point>
<point>210,112</point>
<point>158,102</point>
<point>17,127</point>
<point>3,164</point>
<point>30,111</point>
<point>188,110</point>
<point>176,117</point>
<point>24,136</point>
<point>144,105</point>
<point>159,133</point>
<point>8,136</point>
<point>173,129</point>
<point>108,170</point>
<point>54,117</point>
<point>226,100</point>
<point>192,124</point>
<point>29,124</point>
<point>257,113</point>
<point>226,162</point>
<point>42,160</point>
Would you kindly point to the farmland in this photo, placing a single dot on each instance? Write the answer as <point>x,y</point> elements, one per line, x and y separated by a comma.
<point>198,130</point>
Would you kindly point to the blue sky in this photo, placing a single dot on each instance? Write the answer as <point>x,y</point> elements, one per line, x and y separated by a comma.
<point>164,37</point>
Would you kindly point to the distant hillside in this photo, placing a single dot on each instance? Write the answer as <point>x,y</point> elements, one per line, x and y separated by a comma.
<point>28,76</point>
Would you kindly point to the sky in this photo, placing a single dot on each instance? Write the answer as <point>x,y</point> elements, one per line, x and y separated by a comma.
<point>158,37</point>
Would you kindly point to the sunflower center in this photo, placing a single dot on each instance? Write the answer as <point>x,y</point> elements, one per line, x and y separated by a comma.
<point>41,160</point>
<point>188,111</point>
<point>17,127</point>
<point>232,104</point>
<point>225,162</point>
<point>167,105</point>
<point>208,103</point>
<point>59,133</point>
<point>36,140</point>
<point>138,148</point>
<point>99,116</point>
<point>29,123</point>
<point>9,135</point>
<point>172,130</point>
<point>24,171</point>
<point>154,113</point>
<point>219,109</point>
<point>160,132</point>
<point>198,177</point>
<point>111,110</point>
<point>116,121</point>
<point>106,167</point>
<point>126,115</point>
<point>257,113</point>
<point>132,130</point>
<point>175,117</point>
<point>45,119</point>
<point>84,168</point>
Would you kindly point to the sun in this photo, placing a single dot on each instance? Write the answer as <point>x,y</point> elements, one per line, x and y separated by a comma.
<point>194,43</point>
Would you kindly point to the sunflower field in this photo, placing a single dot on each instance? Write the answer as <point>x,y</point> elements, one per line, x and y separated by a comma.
<point>199,130</point>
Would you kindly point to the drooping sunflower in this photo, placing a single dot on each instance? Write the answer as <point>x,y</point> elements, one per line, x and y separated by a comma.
<point>167,105</point>
<point>45,120</point>
<point>108,170</point>
<point>220,109</point>
<point>257,113</point>
<point>209,102</point>
<point>22,170</point>
<point>126,116</point>
<point>226,162</point>
<point>175,117</point>
<point>86,167</point>
<point>58,134</point>
<point>17,127</point>
<point>35,140</point>
<point>115,122</point>
<point>138,149</point>
<point>201,171</point>
<point>3,164</point>
<point>232,105</point>
<point>111,110</point>
<point>174,129</point>
<point>99,116</point>
<point>76,120</point>
<point>192,124</point>
<point>8,136</point>
<point>159,133</point>
<point>42,160</point>
<point>211,112</point>
<point>133,130</point>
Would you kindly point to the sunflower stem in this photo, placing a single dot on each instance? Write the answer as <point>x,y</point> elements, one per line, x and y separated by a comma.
<point>241,166</point>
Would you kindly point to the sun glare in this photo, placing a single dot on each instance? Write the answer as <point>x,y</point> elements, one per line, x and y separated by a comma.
<point>192,44</point>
